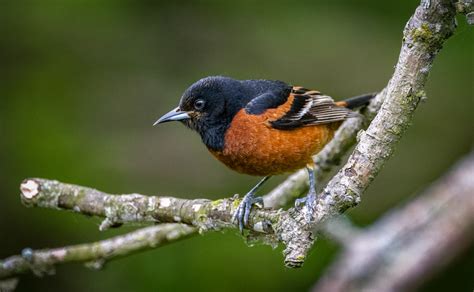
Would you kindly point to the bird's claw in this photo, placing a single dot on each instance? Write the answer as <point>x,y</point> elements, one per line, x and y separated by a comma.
<point>310,203</point>
<point>241,215</point>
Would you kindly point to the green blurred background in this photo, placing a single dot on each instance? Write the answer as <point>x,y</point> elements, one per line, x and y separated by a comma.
<point>81,83</point>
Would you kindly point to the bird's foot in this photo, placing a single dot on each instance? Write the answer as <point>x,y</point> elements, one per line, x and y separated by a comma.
<point>241,215</point>
<point>310,203</point>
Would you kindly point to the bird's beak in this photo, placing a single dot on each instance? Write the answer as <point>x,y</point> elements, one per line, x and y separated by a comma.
<point>174,115</point>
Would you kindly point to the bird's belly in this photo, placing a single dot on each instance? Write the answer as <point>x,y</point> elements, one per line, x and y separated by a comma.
<point>255,148</point>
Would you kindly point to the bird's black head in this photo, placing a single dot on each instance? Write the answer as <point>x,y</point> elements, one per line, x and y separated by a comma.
<point>209,105</point>
<point>212,102</point>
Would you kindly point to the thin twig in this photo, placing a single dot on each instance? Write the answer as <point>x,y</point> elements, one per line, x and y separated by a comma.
<point>42,261</point>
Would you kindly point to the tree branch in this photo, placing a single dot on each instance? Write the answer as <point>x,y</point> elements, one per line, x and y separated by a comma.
<point>424,36</point>
<point>442,219</point>
<point>118,209</point>
<point>42,262</point>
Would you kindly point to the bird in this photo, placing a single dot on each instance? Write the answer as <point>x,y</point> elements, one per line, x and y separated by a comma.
<point>262,128</point>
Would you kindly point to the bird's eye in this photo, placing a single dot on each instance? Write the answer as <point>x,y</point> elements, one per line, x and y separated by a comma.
<point>199,104</point>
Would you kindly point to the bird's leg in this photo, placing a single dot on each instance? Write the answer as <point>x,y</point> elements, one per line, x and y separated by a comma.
<point>241,215</point>
<point>310,200</point>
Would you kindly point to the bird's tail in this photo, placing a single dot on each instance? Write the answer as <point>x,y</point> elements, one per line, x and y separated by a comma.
<point>357,101</point>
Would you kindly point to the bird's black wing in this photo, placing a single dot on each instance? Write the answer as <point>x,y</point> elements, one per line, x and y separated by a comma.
<point>265,101</point>
<point>265,94</point>
<point>310,107</point>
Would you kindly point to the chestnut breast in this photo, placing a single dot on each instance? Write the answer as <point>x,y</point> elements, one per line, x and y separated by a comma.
<point>252,146</point>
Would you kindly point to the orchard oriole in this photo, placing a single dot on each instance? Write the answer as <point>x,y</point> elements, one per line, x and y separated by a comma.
<point>262,127</point>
